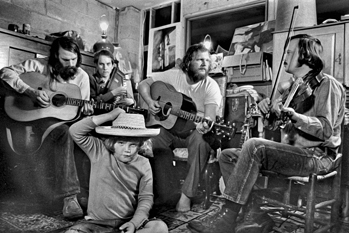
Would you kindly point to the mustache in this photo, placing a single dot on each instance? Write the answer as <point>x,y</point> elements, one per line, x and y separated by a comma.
<point>66,72</point>
<point>195,76</point>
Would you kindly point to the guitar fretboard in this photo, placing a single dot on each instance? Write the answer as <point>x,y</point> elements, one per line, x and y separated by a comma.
<point>105,106</point>
<point>190,116</point>
<point>97,105</point>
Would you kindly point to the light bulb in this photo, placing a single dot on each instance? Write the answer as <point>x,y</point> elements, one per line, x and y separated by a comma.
<point>207,42</point>
<point>103,23</point>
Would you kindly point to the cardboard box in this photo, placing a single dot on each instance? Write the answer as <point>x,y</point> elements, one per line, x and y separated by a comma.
<point>248,67</point>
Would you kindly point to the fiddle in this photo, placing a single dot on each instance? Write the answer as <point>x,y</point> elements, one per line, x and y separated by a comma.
<point>297,97</point>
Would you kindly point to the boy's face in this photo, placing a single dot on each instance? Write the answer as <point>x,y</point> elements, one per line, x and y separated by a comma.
<point>125,151</point>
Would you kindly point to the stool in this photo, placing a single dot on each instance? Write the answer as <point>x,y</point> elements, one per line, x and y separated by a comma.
<point>310,201</point>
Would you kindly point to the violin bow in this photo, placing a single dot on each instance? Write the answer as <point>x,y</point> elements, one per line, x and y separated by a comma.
<point>287,42</point>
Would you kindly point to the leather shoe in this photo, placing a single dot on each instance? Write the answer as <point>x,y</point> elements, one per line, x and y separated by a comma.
<point>255,221</point>
<point>224,221</point>
<point>72,208</point>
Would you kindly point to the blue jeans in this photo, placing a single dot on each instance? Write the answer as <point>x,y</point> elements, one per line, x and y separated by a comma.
<point>66,177</point>
<point>163,171</point>
<point>240,167</point>
<point>96,226</point>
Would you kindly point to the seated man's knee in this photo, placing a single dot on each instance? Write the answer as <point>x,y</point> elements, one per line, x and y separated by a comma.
<point>232,154</point>
<point>254,143</point>
<point>229,155</point>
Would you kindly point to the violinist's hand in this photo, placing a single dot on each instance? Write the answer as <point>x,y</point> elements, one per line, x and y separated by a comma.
<point>119,91</point>
<point>126,101</point>
<point>291,113</point>
<point>154,107</point>
<point>263,105</point>
<point>203,127</point>
<point>277,106</point>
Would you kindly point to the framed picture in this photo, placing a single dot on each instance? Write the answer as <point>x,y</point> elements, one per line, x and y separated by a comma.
<point>253,38</point>
<point>164,48</point>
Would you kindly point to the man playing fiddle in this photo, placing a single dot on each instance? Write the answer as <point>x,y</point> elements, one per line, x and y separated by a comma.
<point>317,136</point>
<point>106,88</point>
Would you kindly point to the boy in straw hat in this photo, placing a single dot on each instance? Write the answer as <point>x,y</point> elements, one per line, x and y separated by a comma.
<point>121,182</point>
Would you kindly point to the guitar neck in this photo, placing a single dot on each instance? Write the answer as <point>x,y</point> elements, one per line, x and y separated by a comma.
<point>190,116</point>
<point>105,106</point>
<point>95,105</point>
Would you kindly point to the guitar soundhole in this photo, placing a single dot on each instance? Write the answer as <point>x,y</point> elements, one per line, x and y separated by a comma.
<point>58,100</point>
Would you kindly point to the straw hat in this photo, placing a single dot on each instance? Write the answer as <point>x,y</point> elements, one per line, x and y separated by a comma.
<point>128,125</point>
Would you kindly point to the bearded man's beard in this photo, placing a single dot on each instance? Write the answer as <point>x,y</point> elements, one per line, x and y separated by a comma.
<point>66,72</point>
<point>195,76</point>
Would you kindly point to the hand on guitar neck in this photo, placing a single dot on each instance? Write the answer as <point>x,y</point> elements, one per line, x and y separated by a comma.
<point>205,126</point>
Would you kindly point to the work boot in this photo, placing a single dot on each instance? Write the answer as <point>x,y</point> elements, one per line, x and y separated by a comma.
<point>71,208</point>
<point>255,221</point>
<point>224,221</point>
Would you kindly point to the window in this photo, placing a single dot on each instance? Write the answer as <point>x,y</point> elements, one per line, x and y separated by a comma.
<point>221,26</point>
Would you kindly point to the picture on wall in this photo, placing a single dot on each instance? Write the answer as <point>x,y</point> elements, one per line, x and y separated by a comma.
<point>163,48</point>
<point>253,38</point>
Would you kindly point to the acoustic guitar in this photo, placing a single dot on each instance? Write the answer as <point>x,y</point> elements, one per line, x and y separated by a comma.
<point>65,101</point>
<point>178,112</point>
<point>27,122</point>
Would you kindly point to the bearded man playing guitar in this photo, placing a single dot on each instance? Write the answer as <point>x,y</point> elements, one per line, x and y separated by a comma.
<point>193,81</point>
<point>315,123</point>
<point>61,67</point>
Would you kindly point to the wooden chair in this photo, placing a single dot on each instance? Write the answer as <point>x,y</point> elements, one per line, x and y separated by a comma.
<point>304,197</point>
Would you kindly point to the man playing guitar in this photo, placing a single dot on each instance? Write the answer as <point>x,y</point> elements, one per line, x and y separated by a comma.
<point>62,66</point>
<point>193,81</point>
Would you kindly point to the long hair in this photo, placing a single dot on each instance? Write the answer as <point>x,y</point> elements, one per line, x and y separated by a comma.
<point>188,57</point>
<point>66,43</point>
<point>310,49</point>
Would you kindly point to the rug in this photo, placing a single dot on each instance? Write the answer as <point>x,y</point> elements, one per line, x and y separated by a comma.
<point>177,222</point>
<point>34,222</point>
<point>13,222</point>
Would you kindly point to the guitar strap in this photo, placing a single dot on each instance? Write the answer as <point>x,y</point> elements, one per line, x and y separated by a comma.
<point>46,133</point>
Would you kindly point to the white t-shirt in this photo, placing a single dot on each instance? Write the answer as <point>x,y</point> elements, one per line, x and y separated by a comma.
<point>204,92</point>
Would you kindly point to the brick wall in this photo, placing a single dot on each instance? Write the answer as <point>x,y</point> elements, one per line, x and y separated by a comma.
<point>129,33</point>
<point>49,16</point>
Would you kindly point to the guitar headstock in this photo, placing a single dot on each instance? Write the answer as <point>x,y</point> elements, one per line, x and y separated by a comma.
<point>226,131</point>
